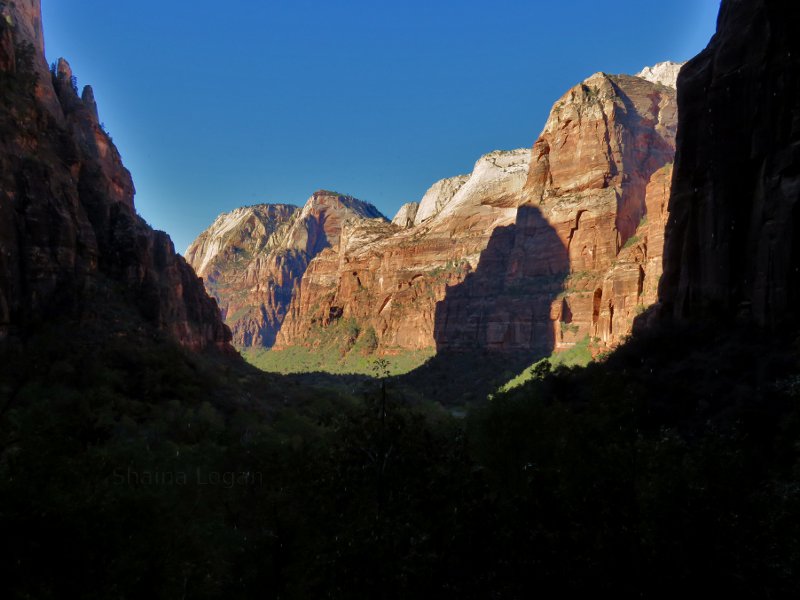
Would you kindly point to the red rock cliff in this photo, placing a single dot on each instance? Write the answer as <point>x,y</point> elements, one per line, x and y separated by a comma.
<point>532,251</point>
<point>733,237</point>
<point>252,259</point>
<point>70,237</point>
<point>600,175</point>
<point>389,277</point>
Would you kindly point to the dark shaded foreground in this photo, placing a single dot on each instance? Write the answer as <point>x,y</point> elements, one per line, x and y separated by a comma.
<point>672,466</point>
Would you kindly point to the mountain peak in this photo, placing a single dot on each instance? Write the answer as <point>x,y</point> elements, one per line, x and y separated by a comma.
<point>253,258</point>
<point>665,73</point>
<point>326,200</point>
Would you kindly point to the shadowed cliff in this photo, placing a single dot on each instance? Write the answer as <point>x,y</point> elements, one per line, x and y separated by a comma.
<point>499,319</point>
<point>505,304</point>
<point>732,240</point>
<point>70,237</point>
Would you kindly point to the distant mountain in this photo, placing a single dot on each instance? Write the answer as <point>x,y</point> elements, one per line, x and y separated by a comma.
<point>390,278</point>
<point>253,258</point>
<point>665,73</point>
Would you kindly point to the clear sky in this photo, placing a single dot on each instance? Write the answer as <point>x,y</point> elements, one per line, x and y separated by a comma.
<point>220,104</point>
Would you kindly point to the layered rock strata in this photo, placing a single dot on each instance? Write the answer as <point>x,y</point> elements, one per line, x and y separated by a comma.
<point>252,259</point>
<point>390,279</point>
<point>406,215</point>
<point>600,174</point>
<point>534,250</point>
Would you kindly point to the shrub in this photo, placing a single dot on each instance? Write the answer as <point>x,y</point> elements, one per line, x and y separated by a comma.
<point>369,340</point>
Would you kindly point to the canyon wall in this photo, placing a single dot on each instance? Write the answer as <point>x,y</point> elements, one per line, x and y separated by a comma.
<point>389,278</point>
<point>532,251</point>
<point>732,245</point>
<point>70,238</point>
<point>535,250</point>
<point>252,259</point>
<point>600,175</point>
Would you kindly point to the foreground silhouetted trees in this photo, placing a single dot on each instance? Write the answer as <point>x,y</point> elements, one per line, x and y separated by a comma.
<point>671,466</point>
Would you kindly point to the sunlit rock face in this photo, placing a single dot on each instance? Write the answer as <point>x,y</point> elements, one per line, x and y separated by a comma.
<point>665,73</point>
<point>390,278</point>
<point>439,194</point>
<point>733,237</point>
<point>534,250</point>
<point>406,215</point>
<point>600,174</point>
<point>70,238</point>
<point>253,258</point>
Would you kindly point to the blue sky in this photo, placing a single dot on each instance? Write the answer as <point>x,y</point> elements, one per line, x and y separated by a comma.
<point>215,105</point>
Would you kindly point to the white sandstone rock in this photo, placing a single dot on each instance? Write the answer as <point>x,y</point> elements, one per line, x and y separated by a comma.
<point>665,73</point>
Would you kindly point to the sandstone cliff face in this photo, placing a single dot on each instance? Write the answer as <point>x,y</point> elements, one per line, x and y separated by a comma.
<point>237,258</point>
<point>600,176</point>
<point>406,215</point>
<point>69,233</point>
<point>246,230</point>
<point>390,279</point>
<point>732,241</point>
<point>533,251</point>
<point>439,194</point>
<point>665,73</point>
<point>25,18</point>
<point>253,258</point>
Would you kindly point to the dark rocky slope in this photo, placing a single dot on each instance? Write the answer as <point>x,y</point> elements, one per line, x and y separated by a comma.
<point>69,233</point>
<point>733,237</point>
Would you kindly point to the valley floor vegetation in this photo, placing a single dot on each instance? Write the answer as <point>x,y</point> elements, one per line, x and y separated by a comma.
<point>299,359</point>
<point>129,468</point>
<point>340,348</point>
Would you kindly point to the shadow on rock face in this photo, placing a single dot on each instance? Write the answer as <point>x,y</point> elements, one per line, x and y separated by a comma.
<point>499,319</point>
